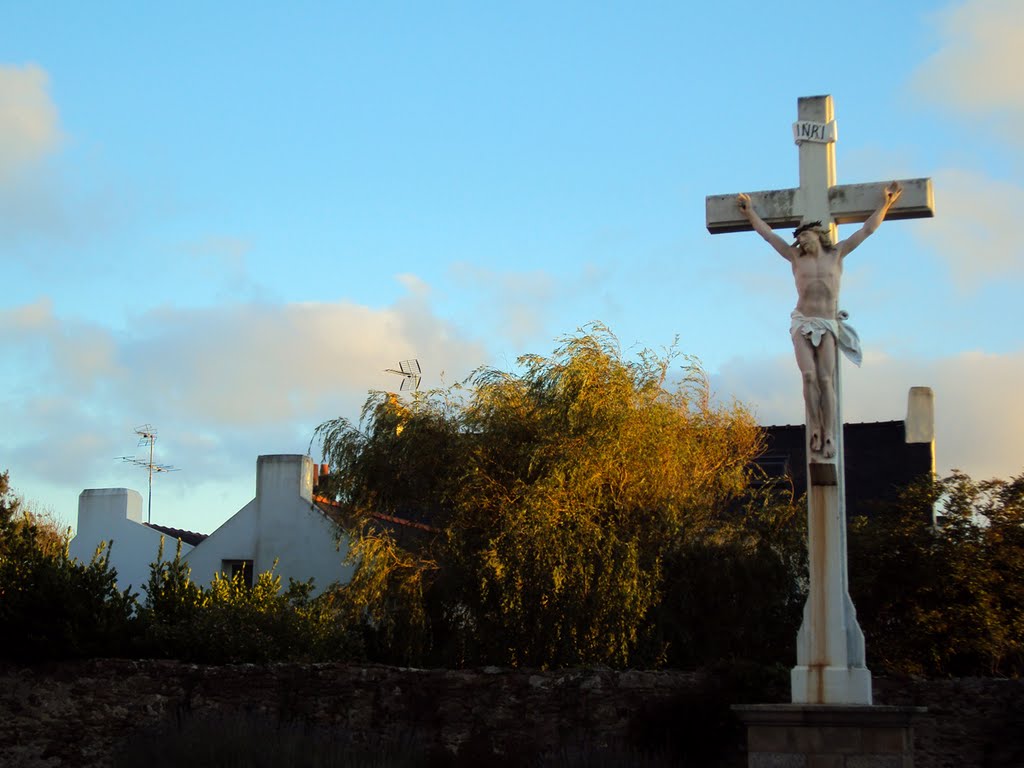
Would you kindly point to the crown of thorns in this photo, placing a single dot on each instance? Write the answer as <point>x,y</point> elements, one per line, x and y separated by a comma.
<point>805,227</point>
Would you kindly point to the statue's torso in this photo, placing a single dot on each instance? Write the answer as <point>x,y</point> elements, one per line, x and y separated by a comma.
<point>817,283</point>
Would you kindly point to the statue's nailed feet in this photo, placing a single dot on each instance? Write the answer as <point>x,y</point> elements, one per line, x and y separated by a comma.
<point>828,450</point>
<point>815,441</point>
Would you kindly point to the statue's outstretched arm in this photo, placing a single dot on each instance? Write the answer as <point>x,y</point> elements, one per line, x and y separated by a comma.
<point>891,194</point>
<point>747,209</point>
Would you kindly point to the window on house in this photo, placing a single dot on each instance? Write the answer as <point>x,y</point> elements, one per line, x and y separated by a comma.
<point>234,567</point>
<point>775,466</point>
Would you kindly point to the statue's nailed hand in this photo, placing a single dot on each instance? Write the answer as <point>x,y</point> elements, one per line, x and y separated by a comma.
<point>743,201</point>
<point>893,192</point>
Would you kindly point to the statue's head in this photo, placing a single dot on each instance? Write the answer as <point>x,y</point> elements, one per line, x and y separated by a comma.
<point>813,227</point>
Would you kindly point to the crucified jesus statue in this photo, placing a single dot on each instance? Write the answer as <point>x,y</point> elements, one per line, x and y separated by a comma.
<point>817,325</point>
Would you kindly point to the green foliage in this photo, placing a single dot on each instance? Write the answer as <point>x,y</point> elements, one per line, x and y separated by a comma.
<point>51,606</point>
<point>386,596</point>
<point>563,492</point>
<point>170,618</point>
<point>945,600</point>
<point>230,622</point>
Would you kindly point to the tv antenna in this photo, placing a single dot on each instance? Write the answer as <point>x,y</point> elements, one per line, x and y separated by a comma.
<point>147,436</point>
<point>410,372</point>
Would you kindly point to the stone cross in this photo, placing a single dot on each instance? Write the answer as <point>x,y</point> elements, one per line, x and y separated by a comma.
<point>819,198</point>
<point>830,644</point>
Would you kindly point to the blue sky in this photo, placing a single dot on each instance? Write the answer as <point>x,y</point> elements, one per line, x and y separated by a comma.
<point>228,221</point>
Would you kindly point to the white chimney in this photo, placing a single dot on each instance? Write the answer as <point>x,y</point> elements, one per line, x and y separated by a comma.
<point>920,424</point>
<point>98,505</point>
<point>284,476</point>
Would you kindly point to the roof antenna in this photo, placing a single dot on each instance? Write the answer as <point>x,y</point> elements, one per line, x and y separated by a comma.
<point>147,436</point>
<point>410,372</point>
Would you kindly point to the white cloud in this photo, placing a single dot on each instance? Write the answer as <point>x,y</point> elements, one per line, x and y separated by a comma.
<point>35,198</point>
<point>979,415</point>
<point>976,71</point>
<point>38,197</point>
<point>70,357</point>
<point>974,76</point>
<point>516,304</point>
<point>974,230</point>
<point>223,383</point>
<point>531,307</point>
<point>29,135</point>
<point>414,285</point>
<point>29,129</point>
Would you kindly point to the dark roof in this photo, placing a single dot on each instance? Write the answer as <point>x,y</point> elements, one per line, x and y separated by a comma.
<point>879,461</point>
<point>188,537</point>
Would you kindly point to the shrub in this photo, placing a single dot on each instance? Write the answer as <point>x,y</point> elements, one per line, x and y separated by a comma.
<point>230,622</point>
<point>52,607</point>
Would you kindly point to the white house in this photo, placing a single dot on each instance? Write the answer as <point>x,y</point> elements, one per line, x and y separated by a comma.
<point>115,515</point>
<point>282,523</point>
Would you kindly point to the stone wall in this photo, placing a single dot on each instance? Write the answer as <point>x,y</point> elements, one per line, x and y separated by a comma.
<point>80,713</point>
<point>970,721</point>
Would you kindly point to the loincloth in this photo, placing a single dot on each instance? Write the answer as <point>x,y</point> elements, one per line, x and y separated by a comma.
<point>814,328</point>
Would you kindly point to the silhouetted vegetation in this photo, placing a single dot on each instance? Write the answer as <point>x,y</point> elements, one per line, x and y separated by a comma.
<point>586,511</point>
<point>50,605</point>
<point>948,599</point>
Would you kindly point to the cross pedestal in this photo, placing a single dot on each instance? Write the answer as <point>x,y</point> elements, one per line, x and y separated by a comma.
<point>830,665</point>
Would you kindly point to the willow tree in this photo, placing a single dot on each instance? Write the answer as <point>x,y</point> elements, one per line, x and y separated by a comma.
<point>555,491</point>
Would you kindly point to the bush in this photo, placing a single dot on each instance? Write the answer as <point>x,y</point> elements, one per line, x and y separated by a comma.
<point>947,599</point>
<point>230,622</point>
<point>52,607</point>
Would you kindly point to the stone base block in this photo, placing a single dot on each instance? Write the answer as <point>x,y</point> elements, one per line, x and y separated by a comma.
<point>840,686</point>
<point>808,736</point>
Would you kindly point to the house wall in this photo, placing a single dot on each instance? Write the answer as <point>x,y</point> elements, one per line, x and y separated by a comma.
<point>115,514</point>
<point>234,540</point>
<point>280,524</point>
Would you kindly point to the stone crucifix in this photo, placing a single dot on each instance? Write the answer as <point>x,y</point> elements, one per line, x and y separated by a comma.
<point>830,645</point>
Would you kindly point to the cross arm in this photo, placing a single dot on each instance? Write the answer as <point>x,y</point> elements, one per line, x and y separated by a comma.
<point>848,204</point>
<point>854,203</point>
<point>777,207</point>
